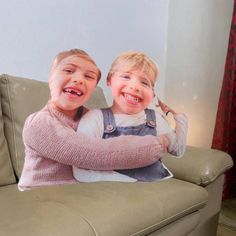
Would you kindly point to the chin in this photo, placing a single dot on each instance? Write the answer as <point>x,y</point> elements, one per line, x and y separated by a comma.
<point>130,111</point>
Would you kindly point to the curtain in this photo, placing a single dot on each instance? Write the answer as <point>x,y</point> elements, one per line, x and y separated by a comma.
<point>224,137</point>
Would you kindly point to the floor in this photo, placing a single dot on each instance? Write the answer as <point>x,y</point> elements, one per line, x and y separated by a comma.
<point>227,221</point>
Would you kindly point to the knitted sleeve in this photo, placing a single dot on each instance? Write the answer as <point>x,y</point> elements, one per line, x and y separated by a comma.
<point>49,138</point>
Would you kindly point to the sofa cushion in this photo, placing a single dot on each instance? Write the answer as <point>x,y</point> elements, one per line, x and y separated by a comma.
<point>26,214</point>
<point>20,97</point>
<point>6,170</point>
<point>111,209</point>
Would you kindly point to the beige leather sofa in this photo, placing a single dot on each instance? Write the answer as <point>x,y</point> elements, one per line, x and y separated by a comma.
<point>185,205</point>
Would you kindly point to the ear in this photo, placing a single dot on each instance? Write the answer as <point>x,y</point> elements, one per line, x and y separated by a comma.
<point>109,79</point>
<point>153,92</point>
<point>108,82</point>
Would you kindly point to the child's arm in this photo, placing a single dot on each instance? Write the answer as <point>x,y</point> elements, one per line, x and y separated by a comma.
<point>49,138</point>
<point>166,109</point>
<point>178,137</point>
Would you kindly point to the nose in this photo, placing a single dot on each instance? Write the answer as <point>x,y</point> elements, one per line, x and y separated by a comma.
<point>134,84</point>
<point>78,80</point>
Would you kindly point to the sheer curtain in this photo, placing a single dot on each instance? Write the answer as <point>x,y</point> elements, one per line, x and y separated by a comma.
<point>225,128</point>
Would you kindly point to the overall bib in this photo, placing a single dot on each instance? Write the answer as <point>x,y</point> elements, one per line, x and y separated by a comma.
<point>149,173</point>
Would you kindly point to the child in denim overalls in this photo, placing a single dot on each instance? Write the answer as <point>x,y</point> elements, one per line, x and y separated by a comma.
<point>132,79</point>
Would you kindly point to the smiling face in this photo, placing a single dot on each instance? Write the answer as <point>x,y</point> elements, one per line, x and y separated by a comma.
<point>132,77</point>
<point>132,90</point>
<point>72,82</point>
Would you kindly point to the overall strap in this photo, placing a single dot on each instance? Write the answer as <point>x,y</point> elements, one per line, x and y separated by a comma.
<point>151,118</point>
<point>108,121</point>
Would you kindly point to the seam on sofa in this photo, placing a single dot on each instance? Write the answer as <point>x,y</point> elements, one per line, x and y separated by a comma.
<point>13,124</point>
<point>85,219</point>
<point>169,219</point>
<point>61,203</point>
<point>6,143</point>
<point>215,176</point>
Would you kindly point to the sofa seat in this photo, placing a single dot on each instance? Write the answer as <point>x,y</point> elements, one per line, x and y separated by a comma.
<point>107,209</point>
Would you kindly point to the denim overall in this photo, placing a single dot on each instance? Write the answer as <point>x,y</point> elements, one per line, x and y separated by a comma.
<point>152,172</point>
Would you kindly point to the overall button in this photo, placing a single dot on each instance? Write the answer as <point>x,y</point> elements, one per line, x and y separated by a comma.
<point>151,123</point>
<point>110,128</point>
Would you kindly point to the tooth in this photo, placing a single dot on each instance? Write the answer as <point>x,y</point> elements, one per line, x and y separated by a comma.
<point>132,98</point>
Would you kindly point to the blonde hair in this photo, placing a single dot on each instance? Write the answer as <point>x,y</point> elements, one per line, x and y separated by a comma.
<point>135,60</point>
<point>77,52</point>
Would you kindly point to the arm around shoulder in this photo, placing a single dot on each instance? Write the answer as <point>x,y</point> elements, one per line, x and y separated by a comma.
<point>47,137</point>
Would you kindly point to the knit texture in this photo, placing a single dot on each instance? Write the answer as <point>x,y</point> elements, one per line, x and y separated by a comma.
<point>52,146</point>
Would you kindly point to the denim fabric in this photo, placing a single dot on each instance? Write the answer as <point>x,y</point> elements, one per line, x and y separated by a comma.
<point>152,172</point>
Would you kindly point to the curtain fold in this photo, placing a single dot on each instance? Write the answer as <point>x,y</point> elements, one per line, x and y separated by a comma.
<point>224,137</point>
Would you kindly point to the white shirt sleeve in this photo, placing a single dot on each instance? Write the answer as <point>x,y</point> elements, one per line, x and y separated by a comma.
<point>178,137</point>
<point>91,124</point>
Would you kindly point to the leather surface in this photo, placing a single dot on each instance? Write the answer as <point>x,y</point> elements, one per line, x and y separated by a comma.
<point>6,171</point>
<point>181,227</point>
<point>199,165</point>
<point>20,97</point>
<point>26,213</point>
<point>110,209</point>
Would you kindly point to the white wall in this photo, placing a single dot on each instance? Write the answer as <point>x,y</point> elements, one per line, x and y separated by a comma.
<point>188,39</point>
<point>198,36</point>
<point>33,32</point>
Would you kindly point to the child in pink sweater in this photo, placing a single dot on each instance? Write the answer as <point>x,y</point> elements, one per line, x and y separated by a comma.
<point>52,145</point>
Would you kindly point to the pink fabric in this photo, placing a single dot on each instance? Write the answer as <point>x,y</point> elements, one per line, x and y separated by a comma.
<point>52,146</point>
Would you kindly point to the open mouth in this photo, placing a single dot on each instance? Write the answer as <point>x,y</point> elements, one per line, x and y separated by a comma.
<point>73,91</point>
<point>131,98</point>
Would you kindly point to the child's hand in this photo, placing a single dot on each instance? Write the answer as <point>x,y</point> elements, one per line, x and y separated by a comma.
<point>164,107</point>
<point>165,142</point>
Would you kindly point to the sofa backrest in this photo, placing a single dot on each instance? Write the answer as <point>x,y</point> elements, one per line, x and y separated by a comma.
<point>6,170</point>
<point>19,98</point>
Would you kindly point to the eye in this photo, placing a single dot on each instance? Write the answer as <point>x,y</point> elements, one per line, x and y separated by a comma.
<point>146,83</point>
<point>125,76</point>
<point>68,70</point>
<point>90,77</point>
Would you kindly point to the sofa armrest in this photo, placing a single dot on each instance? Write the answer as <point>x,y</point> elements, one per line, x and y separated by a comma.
<point>200,166</point>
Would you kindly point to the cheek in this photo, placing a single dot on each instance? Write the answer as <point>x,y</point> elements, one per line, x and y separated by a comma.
<point>55,87</point>
<point>58,79</point>
<point>116,87</point>
<point>149,97</point>
<point>114,91</point>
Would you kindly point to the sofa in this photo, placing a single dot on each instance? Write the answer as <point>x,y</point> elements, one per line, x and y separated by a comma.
<point>187,204</point>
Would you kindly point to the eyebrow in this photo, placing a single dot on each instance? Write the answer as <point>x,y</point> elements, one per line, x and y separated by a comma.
<point>146,77</point>
<point>75,65</point>
<point>141,77</point>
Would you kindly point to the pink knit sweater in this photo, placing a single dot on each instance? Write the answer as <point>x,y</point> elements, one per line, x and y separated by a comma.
<point>52,146</point>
